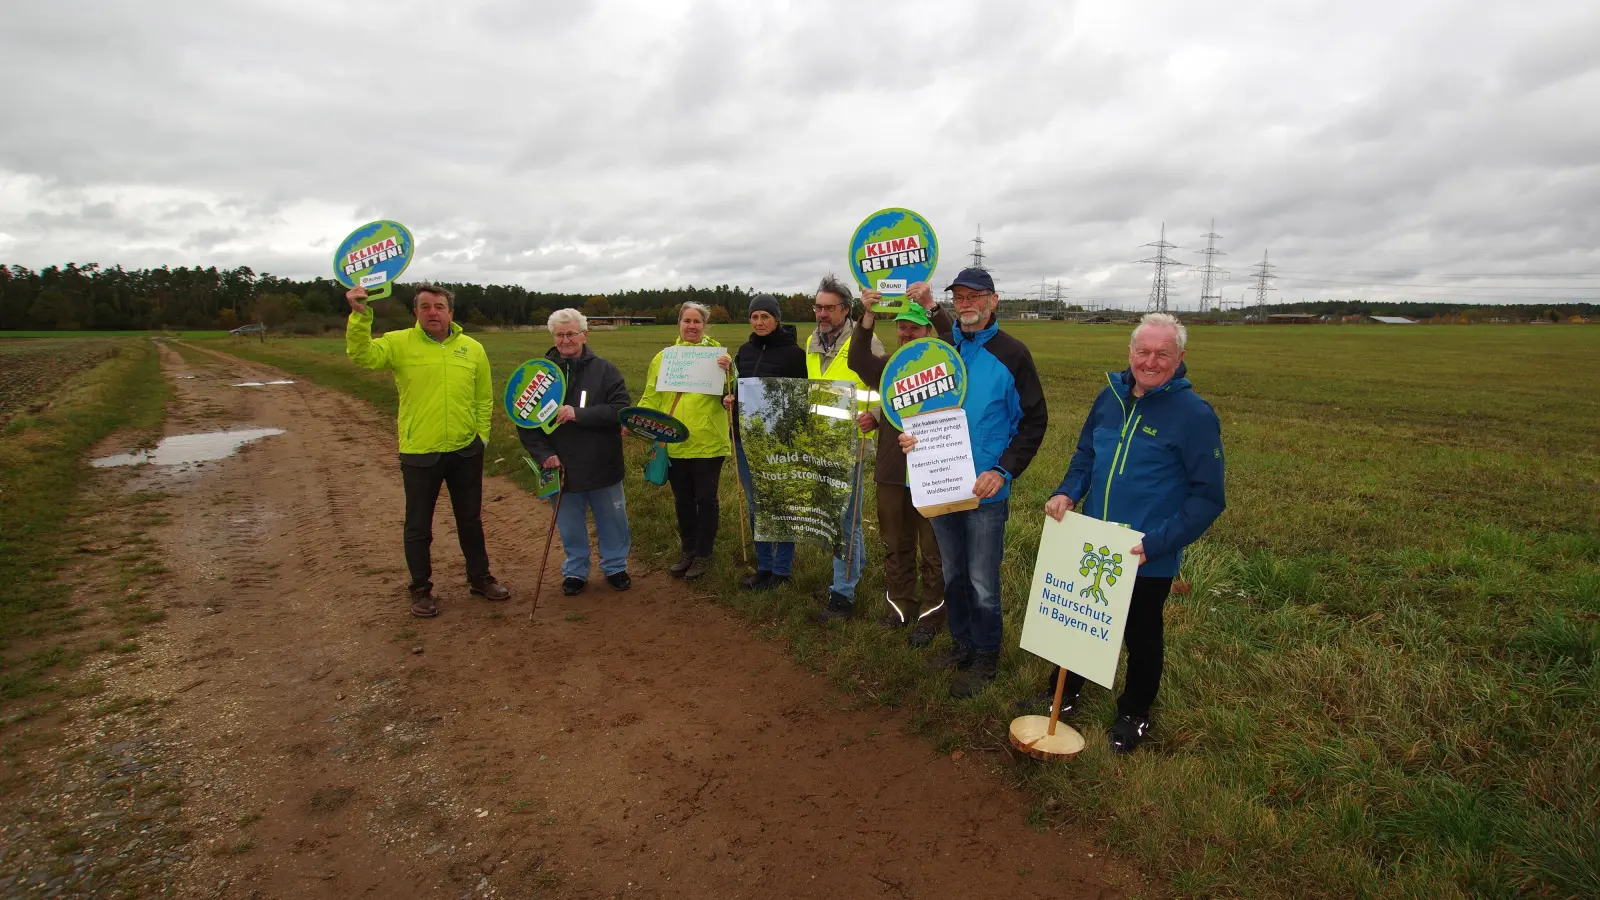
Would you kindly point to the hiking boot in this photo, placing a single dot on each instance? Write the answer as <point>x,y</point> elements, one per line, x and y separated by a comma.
<point>755,581</point>
<point>977,677</point>
<point>697,567</point>
<point>1039,704</point>
<point>423,606</point>
<point>619,581</point>
<point>921,636</point>
<point>957,657</point>
<point>572,586</point>
<point>891,620</point>
<point>685,560</point>
<point>773,582</point>
<point>489,589</point>
<point>1128,732</point>
<point>839,607</point>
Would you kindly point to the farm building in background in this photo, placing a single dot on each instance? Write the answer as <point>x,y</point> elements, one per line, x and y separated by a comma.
<point>1292,319</point>
<point>1393,320</point>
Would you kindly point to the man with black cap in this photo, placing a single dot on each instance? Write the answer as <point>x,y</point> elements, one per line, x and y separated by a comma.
<point>1006,418</point>
<point>902,528</point>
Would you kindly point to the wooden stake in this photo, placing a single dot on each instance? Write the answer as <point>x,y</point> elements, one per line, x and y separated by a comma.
<point>1055,705</point>
<point>733,428</point>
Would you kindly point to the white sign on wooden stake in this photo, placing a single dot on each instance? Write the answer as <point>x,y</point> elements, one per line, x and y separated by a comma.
<point>1082,583</point>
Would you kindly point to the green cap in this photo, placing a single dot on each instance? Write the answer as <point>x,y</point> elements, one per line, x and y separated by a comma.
<point>915,314</point>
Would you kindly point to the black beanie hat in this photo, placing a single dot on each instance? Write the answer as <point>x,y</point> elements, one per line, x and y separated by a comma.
<point>765,303</point>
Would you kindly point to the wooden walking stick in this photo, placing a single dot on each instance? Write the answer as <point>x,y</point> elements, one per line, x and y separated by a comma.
<point>855,506</point>
<point>538,584</point>
<point>733,426</point>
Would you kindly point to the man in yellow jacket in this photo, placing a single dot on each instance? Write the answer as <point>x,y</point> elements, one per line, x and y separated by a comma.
<point>445,398</point>
<point>828,356</point>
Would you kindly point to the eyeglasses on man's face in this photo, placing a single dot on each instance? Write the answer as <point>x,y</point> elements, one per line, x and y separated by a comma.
<point>825,307</point>
<point>568,335</point>
<point>970,296</point>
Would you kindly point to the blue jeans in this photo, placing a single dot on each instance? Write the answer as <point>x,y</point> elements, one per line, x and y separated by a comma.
<point>610,527</point>
<point>972,543</point>
<point>776,557</point>
<point>845,581</point>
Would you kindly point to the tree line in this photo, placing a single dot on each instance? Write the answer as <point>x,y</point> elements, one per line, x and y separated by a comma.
<point>92,297</point>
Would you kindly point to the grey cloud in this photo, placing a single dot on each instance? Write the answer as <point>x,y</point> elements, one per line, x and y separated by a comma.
<point>572,146</point>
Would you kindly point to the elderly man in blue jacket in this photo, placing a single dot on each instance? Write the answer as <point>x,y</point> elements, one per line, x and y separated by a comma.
<point>1006,420</point>
<point>1149,457</point>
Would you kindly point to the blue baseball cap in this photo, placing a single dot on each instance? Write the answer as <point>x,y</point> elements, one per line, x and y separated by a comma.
<point>976,279</point>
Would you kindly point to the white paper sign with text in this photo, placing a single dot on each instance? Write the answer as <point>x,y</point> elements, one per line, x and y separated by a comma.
<point>691,370</point>
<point>939,470</point>
<point>1082,583</point>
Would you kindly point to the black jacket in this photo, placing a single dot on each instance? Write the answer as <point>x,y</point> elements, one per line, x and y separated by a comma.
<point>778,355</point>
<point>590,446</point>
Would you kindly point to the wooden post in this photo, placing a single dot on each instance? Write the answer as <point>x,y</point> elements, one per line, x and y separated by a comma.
<point>733,429</point>
<point>860,497</point>
<point>1055,705</point>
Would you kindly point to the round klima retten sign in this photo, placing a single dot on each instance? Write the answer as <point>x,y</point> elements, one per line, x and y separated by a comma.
<point>373,256</point>
<point>534,393</point>
<point>924,376</point>
<point>653,425</point>
<point>892,249</point>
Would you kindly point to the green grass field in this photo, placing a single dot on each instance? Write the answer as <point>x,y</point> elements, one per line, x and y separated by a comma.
<point>1386,679</point>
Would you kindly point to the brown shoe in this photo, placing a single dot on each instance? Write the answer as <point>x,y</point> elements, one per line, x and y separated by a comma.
<point>489,589</point>
<point>685,560</point>
<point>697,567</point>
<point>423,606</point>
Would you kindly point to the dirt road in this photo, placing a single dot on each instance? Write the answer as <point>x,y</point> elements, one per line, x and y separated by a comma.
<point>623,744</point>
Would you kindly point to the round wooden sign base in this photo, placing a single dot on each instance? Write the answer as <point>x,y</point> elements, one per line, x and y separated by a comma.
<point>1029,735</point>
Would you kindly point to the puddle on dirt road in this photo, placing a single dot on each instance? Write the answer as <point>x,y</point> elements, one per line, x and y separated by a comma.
<point>182,449</point>
<point>260,383</point>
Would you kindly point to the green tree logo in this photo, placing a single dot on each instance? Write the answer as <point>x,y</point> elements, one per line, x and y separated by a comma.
<point>1105,566</point>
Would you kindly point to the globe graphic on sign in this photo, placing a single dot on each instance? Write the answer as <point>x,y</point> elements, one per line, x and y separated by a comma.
<point>366,236</point>
<point>916,357</point>
<point>886,225</point>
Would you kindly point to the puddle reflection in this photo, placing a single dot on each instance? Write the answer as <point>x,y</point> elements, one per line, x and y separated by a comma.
<point>189,448</point>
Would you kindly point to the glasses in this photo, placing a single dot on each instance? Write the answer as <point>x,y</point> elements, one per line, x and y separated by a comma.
<point>972,297</point>
<point>825,308</point>
<point>568,335</point>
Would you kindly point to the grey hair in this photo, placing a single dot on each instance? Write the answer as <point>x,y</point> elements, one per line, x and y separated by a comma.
<point>832,285</point>
<point>705,311</point>
<point>1161,320</point>
<point>568,316</point>
<point>428,287</point>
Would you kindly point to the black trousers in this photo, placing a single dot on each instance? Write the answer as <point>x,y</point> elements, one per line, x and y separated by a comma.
<point>694,490</point>
<point>1145,639</point>
<point>464,476</point>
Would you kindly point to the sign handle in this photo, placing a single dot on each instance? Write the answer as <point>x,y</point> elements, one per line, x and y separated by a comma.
<point>548,539</point>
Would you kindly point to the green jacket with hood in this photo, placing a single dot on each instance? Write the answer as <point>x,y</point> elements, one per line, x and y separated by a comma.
<point>445,392</point>
<point>703,414</point>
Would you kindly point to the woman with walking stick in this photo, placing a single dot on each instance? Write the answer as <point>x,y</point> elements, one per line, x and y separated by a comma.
<point>694,468</point>
<point>587,446</point>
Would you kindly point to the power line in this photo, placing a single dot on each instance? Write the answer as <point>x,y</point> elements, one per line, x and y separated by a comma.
<point>977,250</point>
<point>1162,262</point>
<point>1263,276</point>
<point>1211,286</point>
<point>1448,287</point>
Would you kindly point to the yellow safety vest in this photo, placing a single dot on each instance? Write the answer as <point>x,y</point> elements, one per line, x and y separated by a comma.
<point>839,370</point>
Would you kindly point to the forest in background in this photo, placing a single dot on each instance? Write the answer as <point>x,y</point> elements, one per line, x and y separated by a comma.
<point>92,297</point>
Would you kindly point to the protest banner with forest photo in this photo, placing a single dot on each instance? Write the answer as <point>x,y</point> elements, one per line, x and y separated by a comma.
<point>800,438</point>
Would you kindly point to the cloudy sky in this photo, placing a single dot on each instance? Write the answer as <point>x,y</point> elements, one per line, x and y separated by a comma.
<point>1392,149</point>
